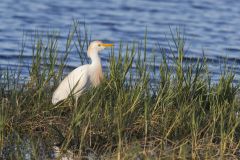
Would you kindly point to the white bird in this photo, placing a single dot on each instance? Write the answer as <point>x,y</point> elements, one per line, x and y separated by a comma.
<point>83,77</point>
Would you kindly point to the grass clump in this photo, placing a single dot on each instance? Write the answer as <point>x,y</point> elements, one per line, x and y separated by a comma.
<point>141,110</point>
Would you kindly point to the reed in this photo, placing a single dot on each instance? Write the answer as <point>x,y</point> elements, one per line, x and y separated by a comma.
<point>141,110</point>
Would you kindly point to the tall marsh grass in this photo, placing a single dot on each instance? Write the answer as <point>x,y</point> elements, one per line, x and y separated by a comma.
<point>141,110</point>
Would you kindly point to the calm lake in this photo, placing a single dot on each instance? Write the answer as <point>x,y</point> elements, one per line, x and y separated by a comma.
<point>212,26</point>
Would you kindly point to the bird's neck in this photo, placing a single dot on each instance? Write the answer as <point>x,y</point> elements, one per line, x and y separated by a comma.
<point>97,67</point>
<point>96,60</point>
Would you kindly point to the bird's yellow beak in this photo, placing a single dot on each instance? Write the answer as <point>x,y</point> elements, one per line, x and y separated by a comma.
<point>106,45</point>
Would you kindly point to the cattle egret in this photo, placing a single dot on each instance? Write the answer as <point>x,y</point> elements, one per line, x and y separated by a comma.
<point>82,77</point>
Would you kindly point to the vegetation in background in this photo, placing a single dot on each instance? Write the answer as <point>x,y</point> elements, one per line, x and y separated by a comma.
<point>141,110</point>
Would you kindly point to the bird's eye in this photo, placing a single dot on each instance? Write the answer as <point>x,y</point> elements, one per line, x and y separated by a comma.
<point>99,45</point>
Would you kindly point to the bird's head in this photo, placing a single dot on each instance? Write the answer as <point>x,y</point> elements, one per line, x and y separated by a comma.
<point>97,46</point>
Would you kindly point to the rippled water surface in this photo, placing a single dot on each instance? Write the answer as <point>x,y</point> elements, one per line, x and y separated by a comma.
<point>212,26</point>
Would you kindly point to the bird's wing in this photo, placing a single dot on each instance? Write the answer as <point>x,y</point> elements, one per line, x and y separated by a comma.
<point>74,83</point>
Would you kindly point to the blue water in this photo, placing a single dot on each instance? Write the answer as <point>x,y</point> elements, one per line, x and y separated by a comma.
<point>212,26</point>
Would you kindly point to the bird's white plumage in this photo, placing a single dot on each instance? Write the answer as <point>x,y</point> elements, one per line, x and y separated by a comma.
<point>74,84</point>
<point>82,77</point>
